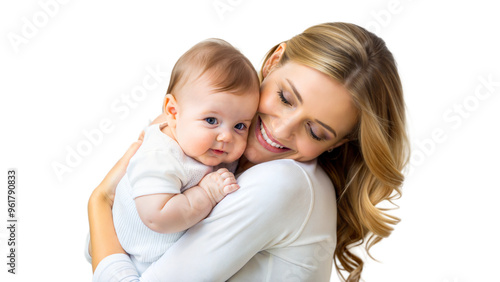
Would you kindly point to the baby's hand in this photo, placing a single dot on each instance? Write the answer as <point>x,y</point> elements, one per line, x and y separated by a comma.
<point>218,184</point>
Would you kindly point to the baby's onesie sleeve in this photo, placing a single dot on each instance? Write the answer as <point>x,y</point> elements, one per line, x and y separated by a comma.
<point>160,166</point>
<point>155,172</point>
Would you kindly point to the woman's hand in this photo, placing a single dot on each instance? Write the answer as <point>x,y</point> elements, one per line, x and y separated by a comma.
<point>106,189</point>
<point>104,241</point>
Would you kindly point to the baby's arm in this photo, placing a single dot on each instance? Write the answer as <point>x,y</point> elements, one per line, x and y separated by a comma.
<point>170,213</point>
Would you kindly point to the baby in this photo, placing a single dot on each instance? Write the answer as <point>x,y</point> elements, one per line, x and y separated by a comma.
<point>169,185</point>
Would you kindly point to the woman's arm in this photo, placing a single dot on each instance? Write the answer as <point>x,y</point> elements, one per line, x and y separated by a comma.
<point>104,241</point>
<point>268,211</point>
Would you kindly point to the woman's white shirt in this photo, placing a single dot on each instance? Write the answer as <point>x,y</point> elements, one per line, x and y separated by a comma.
<point>279,226</point>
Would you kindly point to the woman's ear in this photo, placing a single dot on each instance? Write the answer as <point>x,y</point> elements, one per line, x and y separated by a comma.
<point>273,60</point>
<point>170,107</point>
<point>339,143</point>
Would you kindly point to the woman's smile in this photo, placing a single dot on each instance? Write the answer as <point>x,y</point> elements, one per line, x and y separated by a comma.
<point>267,140</point>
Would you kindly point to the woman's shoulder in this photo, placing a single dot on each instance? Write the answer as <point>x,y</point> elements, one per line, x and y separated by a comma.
<point>278,172</point>
<point>285,183</point>
<point>277,167</point>
<point>287,173</point>
<point>293,196</point>
<point>280,181</point>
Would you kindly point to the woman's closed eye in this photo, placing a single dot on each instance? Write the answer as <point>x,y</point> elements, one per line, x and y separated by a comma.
<point>282,98</point>
<point>313,135</point>
<point>285,101</point>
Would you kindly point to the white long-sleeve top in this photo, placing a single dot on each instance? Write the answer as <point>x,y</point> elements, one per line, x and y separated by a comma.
<point>279,226</point>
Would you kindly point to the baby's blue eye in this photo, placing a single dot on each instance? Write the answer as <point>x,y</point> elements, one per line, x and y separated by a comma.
<point>240,126</point>
<point>211,120</point>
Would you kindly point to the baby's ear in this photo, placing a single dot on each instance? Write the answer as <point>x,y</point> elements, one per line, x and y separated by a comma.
<point>170,106</point>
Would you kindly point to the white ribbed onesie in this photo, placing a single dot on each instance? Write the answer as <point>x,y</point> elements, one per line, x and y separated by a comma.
<point>159,166</point>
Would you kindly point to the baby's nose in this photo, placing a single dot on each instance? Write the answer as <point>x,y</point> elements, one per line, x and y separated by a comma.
<point>224,136</point>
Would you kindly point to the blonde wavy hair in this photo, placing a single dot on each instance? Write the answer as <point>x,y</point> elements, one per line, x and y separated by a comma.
<point>367,169</point>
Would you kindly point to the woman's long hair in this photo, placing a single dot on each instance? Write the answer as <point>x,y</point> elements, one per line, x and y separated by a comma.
<point>367,169</point>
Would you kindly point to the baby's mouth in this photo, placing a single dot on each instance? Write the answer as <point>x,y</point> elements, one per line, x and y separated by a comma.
<point>217,152</point>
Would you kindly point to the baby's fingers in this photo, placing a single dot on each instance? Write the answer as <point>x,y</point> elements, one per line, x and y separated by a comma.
<point>231,188</point>
<point>229,181</point>
<point>225,174</point>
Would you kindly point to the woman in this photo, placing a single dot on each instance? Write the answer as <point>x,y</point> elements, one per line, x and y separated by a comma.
<point>327,145</point>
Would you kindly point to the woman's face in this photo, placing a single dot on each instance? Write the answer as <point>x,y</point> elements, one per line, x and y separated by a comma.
<point>302,113</point>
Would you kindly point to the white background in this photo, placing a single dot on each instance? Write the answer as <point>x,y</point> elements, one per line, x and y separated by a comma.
<point>63,67</point>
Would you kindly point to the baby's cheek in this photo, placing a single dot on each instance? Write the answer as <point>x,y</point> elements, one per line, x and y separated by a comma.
<point>197,146</point>
<point>241,148</point>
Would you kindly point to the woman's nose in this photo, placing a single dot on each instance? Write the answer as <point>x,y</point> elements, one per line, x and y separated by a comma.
<point>284,127</point>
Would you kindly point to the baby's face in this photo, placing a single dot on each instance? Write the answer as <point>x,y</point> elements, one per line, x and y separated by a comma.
<point>213,127</point>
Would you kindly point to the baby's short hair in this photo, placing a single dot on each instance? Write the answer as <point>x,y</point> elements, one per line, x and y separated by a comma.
<point>229,70</point>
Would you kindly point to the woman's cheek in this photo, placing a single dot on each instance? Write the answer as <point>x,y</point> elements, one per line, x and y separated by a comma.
<point>308,150</point>
<point>266,101</point>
